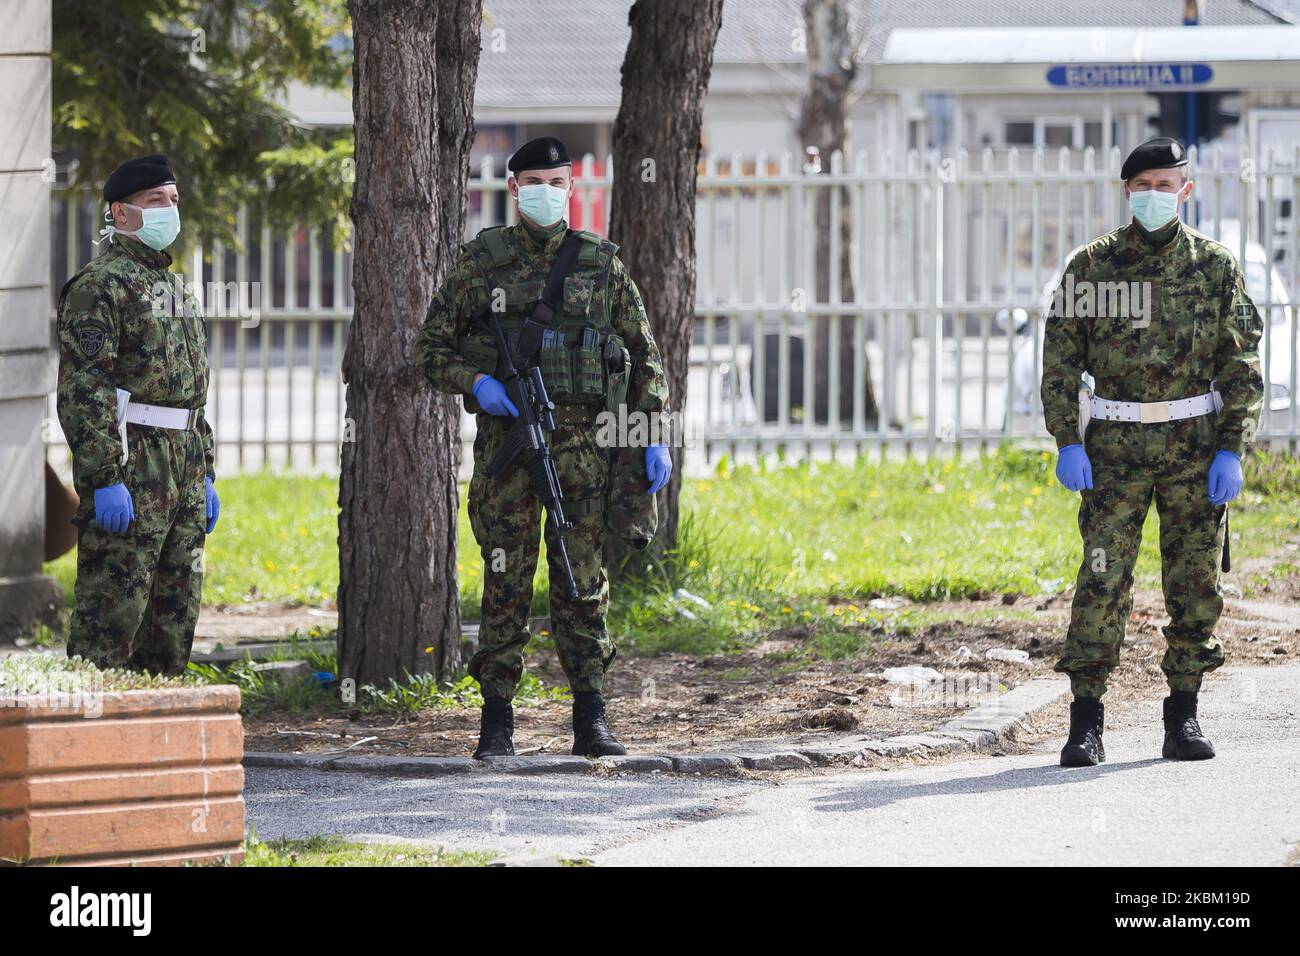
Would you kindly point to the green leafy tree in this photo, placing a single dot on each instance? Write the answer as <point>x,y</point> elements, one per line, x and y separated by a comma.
<point>204,81</point>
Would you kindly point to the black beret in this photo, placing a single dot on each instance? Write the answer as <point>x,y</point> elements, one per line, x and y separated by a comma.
<point>1159,153</point>
<point>137,174</point>
<point>545,152</point>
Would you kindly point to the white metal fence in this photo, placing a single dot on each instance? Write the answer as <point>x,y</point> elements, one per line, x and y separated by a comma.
<point>933,275</point>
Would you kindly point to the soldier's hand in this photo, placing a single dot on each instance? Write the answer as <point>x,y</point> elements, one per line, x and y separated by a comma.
<point>492,396</point>
<point>212,502</point>
<point>658,467</point>
<point>1225,477</point>
<point>1073,469</point>
<point>114,510</point>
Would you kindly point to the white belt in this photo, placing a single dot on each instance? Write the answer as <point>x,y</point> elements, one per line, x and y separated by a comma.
<point>154,416</point>
<point>1150,413</point>
<point>178,419</point>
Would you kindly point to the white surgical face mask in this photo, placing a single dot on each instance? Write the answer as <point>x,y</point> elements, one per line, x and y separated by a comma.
<point>1152,208</point>
<point>160,225</point>
<point>543,204</point>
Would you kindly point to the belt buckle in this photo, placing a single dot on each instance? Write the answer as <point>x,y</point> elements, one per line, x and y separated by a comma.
<point>192,419</point>
<point>1153,413</point>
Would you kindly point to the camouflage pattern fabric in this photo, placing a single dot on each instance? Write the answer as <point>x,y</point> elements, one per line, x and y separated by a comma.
<point>504,513</point>
<point>507,268</point>
<point>1201,326</point>
<point>1132,464</point>
<point>137,593</point>
<point>122,324</point>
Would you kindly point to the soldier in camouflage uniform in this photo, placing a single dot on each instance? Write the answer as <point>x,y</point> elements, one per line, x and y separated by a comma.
<point>1160,317</point>
<point>142,464</point>
<point>598,356</point>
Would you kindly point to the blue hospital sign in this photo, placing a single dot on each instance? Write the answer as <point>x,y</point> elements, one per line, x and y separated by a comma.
<point>1141,76</point>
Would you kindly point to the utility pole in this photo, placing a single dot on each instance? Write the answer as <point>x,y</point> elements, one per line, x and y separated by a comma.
<point>1191,18</point>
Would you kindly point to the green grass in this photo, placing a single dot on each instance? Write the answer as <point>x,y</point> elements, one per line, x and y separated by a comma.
<point>276,540</point>
<point>335,851</point>
<point>264,692</point>
<point>804,545</point>
<point>811,545</point>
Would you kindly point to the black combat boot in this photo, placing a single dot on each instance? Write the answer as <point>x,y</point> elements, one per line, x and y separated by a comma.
<point>496,730</point>
<point>1183,737</point>
<point>591,736</point>
<point>1084,747</point>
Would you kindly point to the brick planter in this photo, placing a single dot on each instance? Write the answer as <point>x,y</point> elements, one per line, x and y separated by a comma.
<point>153,778</point>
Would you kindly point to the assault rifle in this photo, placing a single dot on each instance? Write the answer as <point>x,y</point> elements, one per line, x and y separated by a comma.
<point>528,438</point>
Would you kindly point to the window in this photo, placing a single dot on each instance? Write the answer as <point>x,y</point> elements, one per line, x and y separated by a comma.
<point>1092,134</point>
<point>1056,135</point>
<point>1053,132</point>
<point>1020,134</point>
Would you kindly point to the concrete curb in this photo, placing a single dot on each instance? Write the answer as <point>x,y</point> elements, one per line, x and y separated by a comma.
<point>980,729</point>
<point>977,730</point>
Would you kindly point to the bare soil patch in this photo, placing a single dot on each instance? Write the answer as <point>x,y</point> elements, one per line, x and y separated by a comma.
<point>775,692</point>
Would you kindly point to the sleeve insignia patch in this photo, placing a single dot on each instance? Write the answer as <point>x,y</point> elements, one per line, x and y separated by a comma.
<point>1244,314</point>
<point>91,337</point>
<point>91,341</point>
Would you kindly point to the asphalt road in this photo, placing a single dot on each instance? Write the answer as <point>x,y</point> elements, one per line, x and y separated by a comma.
<point>517,815</point>
<point>1240,808</point>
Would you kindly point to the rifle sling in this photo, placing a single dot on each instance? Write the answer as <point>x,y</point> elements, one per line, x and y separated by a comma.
<point>530,336</point>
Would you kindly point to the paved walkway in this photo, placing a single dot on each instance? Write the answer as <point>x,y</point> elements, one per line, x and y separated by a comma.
<point>1240,808</point>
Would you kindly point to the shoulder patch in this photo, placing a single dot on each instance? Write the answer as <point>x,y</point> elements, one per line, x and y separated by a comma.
<point>91,337</point>
<point>80,299</point>
<point>84,295</point>
<point>1244,312</point>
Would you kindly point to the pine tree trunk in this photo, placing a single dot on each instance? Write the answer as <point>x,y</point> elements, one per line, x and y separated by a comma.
<point>652,215</point>
<point>413,88</point>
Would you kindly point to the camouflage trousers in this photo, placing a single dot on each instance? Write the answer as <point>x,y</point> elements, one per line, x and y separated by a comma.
<point>1131,465</point>
<point>137,592</point>
<point>504,514</point>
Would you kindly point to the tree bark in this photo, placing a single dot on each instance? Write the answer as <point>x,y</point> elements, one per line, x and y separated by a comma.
<point>656,157</point>
<point>413,87</point>
<point>823,124</point>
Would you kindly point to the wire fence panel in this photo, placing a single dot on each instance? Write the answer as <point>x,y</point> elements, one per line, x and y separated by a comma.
<point>876,303</point>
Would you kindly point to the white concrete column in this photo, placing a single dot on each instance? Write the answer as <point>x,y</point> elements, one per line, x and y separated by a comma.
<point>27,363</point>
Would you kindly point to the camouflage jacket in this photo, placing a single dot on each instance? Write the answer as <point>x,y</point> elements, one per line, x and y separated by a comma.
<point>117,328</point>
<point>599,293</point>
<point>1154,317</point>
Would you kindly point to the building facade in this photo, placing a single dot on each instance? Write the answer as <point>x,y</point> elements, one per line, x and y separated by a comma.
<point>27,364</point>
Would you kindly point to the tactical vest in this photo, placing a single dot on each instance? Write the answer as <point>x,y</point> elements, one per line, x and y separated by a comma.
<point>584,362</point>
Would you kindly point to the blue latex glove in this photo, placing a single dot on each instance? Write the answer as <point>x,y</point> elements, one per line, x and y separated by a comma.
<point>213,502</point>
<point>491,394</point>
<point>114,509</point>
<point>1225,477</point>
<point>1073,469</point>
<point>658,466</point>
